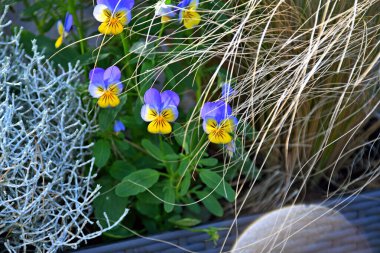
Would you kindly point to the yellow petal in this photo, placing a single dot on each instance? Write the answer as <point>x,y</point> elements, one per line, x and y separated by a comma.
<point>191,18</point>
<point>211,125</point>
<point>117,28</point>
<point>114,88</point>
<point>148,114</point>
<point>220,137</point>
<point>105,28</point>
<point>169,114</point>
<point>110,28</point>
<point>165,19</point>
<point>121,16</point>
<point>108,99</point>
<point>103,101</point>
<point>159,126</point>
<point>60,28</point>
<point>228,125</point>
<point>59,41</point>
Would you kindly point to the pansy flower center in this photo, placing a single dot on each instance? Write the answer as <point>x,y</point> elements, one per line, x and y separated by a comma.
<point>114,22</point>
<point>188,14</point>
<point>160,120</point>
<point>219,133</point>
<point>114,19</point>
<point>218,130</point>
<point>109,96</point>
<point>190,17</point>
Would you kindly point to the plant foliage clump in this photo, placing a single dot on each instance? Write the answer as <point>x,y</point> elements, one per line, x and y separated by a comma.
<point>45,192</point>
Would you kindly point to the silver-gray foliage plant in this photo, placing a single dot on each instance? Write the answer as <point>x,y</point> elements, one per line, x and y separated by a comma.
<point>45,194</point>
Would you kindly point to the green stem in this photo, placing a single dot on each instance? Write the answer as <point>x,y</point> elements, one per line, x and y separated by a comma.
<point>126,46</point>
<point>161,30</point>
<point>72,10</point>
<point>198,81</point>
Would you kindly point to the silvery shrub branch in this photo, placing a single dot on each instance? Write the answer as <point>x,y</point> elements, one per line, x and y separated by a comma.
<point>46,185</point>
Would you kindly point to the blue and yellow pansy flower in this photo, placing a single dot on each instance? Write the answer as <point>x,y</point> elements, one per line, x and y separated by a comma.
<point>165,11</point>
<point>64,29</point>
<point>188,13</point>
<point>160,109</point>
<point>113,15</point>
<point>218,122</point>
<point>106,86</point>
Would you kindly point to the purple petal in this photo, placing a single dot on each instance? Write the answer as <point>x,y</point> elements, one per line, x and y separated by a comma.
<point>120,87</point>
<point>223,111</point>
<point>180,16</point>
<point>208,110</point>
<point>129,16</point>
<point>218,110</point>
<point>169,97</point>
<point>235,120</point>
<point>112,75</point>
<point>184,3</point>
<point>129,4</point>
<point>68,22</point>
<point>152,97</point>
<point>116,5</point>
<point>96,76</point>
<point>230,148</point>
<point>105,2</point>
<point>118,126</point>
<point>227,91</point>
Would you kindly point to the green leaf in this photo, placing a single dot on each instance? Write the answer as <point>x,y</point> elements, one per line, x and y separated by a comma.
<point>32,9</point>
<point>185,166</point>
<point>148,198</point>
<point>152,149</point>
<point>64,57</point>
<point>193,207</point>
<point>148,209</point>
<point>185,184</point>
<point>107,117</point>
<point>186,222</point>
<point>137,182</point>
<point>211,203</point>
<point>105,120</point>
<point>132,123</point>
<point>209,162</point>
<point>147,75</point>
<point>88,59</point>
<point>167,149</point>
<point>179,135</point>
<point>121,169</point>
<point>170,78</point>
<point>169,197</point>
<point>111,204</point>
<point>122,145</point>
<point>214,181</point>
<point>102,152</point>
<point>48,24</point>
